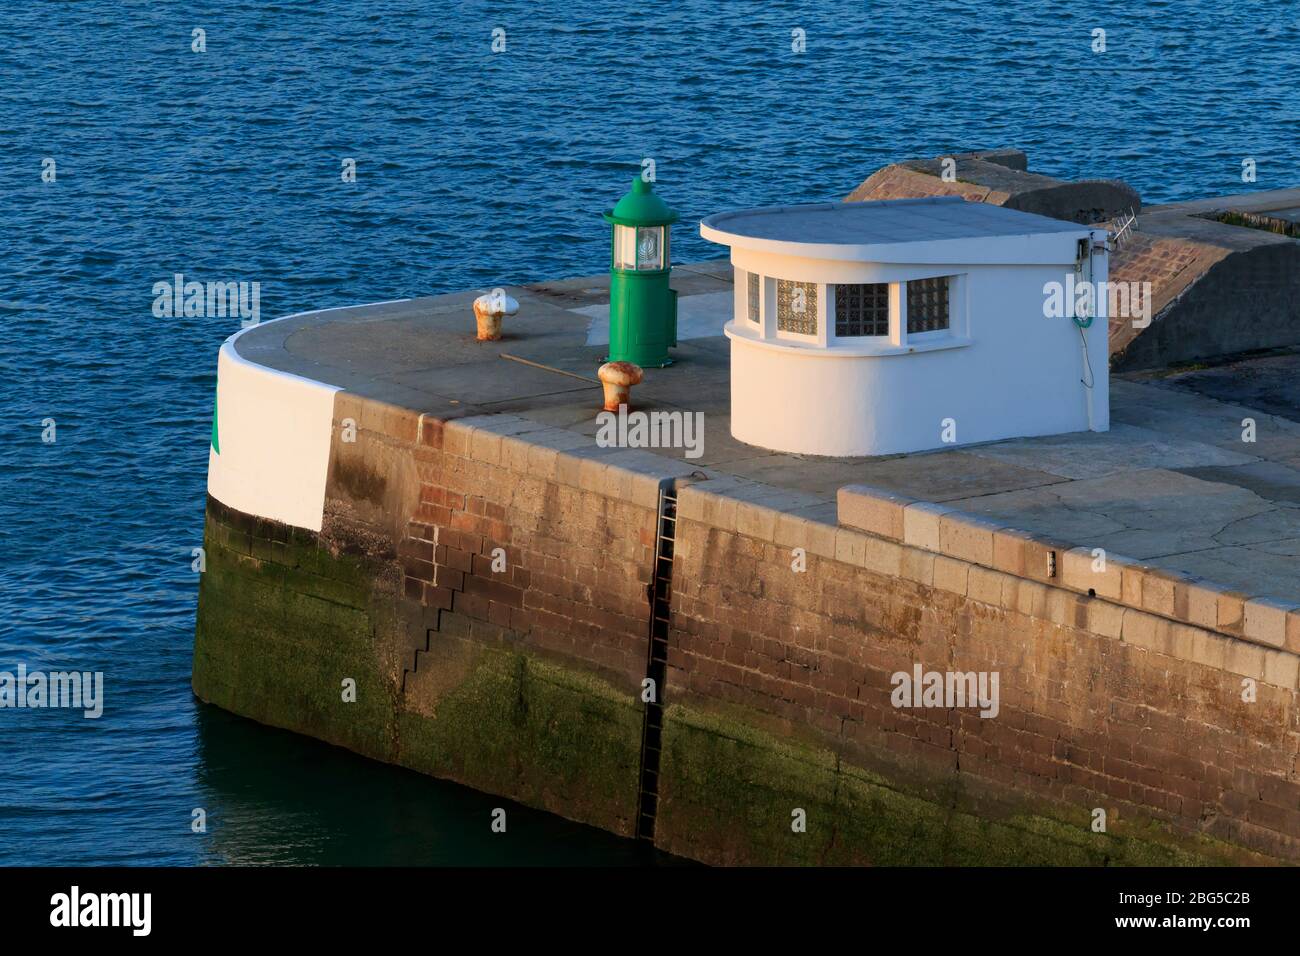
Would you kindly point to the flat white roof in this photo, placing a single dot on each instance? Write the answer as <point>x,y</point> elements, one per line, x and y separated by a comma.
<point>874,231</point>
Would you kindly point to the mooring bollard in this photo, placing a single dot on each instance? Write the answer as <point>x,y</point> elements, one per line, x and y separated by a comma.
<point>618,379</point>
<point>488,310</point>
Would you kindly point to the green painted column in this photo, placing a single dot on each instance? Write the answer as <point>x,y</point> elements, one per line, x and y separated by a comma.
<point>642,308</point>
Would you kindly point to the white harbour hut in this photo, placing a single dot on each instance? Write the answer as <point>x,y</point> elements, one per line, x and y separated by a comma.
<point>875,328</point>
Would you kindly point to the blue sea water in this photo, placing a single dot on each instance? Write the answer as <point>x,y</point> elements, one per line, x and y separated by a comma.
<point>472,168</point>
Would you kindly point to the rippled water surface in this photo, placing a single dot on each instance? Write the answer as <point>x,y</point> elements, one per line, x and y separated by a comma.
<point>473,168</point>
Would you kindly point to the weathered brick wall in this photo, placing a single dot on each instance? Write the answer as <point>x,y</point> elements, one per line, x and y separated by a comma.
<point>282,622</point>
<point>1119,690</point>
<point>1117,701</point>
<point>498,634</point>
<point>572,560</point>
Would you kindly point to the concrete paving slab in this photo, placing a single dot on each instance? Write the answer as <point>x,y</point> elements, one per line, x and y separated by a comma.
<point>1095,454</point>
<point>1042,511</point>
<point>572,356</point>
<point>1268,479</point>
<point>698,379</point>
<point>539,407</point>
<point>824,512</point>
<point>949,475</point>
<point>490,381</point>
<point>1284,547</point>
<point>714,268</point>
<point>1153,545</point>
<point>1149,404</point>
<point>1255,572</point>
<point>1270,383</point>
<point>407,397</point>
<point>1172,519</point>
<point>573,293</point>
<point>1156,499</point>
<point>583,291</point>
<point>1212,404</point>
<point>719,448</point>
<point>698,317</point>
<point>564,413</point>
<point>1260,201</point>
<point>1275,524</point>
<point>720,345</point>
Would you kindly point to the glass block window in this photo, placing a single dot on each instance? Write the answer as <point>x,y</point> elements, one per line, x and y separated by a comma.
<point>862,309</point>
<point>927,305</point>
<point>754,281</point>
<point>796,307</point>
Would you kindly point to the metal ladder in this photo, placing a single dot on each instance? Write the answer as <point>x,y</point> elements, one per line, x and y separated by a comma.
<point>660,592</point>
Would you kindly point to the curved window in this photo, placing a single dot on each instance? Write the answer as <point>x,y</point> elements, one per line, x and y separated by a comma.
<point>754,282</point>
<point>796,307</point>
<point>861,309</point>
<point>927,305</point>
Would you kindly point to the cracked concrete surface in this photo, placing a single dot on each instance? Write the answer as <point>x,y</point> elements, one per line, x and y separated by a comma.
<point>1173,483</point>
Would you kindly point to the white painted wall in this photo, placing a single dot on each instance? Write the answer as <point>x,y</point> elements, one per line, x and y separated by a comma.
<point>1014,373</point>
<point>274,430</point>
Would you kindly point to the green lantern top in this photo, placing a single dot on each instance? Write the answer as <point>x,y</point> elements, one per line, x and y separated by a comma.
<point>641,207</point>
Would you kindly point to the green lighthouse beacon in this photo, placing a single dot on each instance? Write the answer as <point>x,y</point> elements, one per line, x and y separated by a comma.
<point>642,308</point>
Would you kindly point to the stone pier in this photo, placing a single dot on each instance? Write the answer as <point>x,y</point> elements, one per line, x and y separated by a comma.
<point>478,568</point>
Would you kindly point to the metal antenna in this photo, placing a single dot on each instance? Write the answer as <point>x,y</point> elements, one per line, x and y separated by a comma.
<point>1124,228</point>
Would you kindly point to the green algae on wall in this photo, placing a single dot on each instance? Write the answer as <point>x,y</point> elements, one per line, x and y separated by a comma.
<point>282,622</point>
<point>748,783</point>
<point>525,728</point>
<point>281,625</point>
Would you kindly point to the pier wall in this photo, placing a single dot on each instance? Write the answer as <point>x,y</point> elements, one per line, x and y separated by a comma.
<point>1119,690</point>
<point>484,584</point>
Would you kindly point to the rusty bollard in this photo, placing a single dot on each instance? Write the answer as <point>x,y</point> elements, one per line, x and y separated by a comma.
<point>488,310</point>
<point>618,379</point>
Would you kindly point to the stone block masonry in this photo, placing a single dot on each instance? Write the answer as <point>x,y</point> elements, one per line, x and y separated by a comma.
<point>485,592</point>
<point>483,580</point>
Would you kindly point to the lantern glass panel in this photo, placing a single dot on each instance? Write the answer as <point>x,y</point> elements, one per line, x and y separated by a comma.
<point>624,247</point>
<point>650,247</point>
